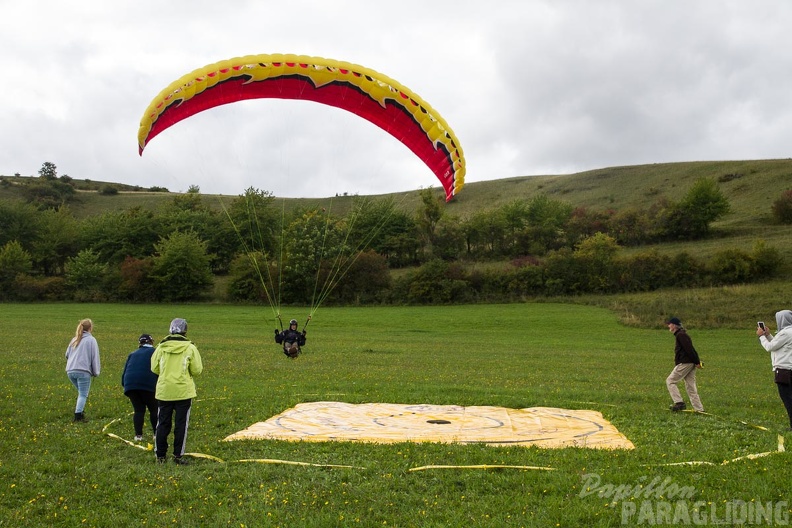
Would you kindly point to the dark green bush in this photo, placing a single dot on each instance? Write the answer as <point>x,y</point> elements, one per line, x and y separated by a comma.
<point>438,282</point>
<point>782,208</point>
<point>28,289</point>
<point>731,266</point>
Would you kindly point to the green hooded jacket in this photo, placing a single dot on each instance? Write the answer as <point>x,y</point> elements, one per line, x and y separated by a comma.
<point>176,360</point>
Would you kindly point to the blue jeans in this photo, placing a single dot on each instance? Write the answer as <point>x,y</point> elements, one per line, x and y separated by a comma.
<point>82,382</point>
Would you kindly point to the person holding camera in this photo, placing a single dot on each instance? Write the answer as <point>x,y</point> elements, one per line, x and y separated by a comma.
<point>686,361</point>
<point>780,348</point>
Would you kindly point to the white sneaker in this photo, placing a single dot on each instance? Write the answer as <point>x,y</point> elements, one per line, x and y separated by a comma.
<point>138,438</point>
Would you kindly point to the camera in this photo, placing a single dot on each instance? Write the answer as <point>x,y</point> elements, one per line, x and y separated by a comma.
<point>761,325</point>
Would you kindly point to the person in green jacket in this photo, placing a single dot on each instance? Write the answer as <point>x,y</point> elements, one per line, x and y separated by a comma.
<point>176,360</point>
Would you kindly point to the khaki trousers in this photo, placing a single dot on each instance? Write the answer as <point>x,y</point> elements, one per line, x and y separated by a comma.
<point>686,372</point>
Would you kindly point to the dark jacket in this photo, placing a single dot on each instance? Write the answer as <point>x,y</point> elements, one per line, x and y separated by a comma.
<point>137,373</point>
<point>290,336</point>
<point>684,351</point>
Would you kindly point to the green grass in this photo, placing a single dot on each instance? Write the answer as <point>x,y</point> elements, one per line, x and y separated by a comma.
<point>735,307</point>
<point>55,473</point>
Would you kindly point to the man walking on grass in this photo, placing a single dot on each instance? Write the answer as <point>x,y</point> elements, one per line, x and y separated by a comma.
<point>686,361</point>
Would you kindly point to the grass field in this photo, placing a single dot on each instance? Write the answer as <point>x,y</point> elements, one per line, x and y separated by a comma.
<point>56,473</point>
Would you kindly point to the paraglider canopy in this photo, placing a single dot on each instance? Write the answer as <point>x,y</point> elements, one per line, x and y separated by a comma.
<point>359,90</point>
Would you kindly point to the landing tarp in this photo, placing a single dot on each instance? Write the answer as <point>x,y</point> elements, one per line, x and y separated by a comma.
<point>390,423</point>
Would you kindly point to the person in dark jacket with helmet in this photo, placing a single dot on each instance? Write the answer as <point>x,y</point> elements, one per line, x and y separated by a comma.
<point>139,385</point>
<point>291,339</point>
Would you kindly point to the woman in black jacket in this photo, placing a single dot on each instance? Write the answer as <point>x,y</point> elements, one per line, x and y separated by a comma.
<point>140,384</point>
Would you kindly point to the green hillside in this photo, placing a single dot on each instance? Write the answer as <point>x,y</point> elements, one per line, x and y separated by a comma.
<point>750,186</point>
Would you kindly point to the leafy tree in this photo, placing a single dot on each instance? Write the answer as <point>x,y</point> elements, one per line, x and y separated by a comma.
<point>48,171</point>
<point>516,215</point>
<point>595,255</point>
<point>104,234</point>
<point>485,234</point>
<point>194,189</point>
<point>246,273</point>
<point>188,212</point>
<point>368,223</point>
<point>380,226</point>
<point>428,216</point>
<point>181,267</point>
<point>310,240</point>
<point>584,222</point>
<point>14,260</point>
<point>141,228</point>
<point>589,269</point>
<point>135,281</point>
<point>85,274</point>
<point>116,235</point>
<point>547,219</point>
<point>188,202</point>
<point>365,279</point>
<point>57,241</point>
<point>253,222</point>
<point>19,221</point>
<point>632,227</point>
<point>691,218</point>
<point>450,239</point>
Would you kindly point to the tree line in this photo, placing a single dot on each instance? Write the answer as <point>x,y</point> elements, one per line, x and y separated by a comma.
<point>538,246</point>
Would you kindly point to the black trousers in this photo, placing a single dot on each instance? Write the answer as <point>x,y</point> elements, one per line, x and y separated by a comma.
<point>785,391</point>
<point>142,400</point>
<point>165,414</point>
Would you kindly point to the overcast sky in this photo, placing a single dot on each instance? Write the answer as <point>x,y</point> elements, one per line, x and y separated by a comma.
<point>529,87</point>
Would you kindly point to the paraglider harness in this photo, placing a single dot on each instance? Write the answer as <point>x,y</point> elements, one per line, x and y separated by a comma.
<point>291,339</point>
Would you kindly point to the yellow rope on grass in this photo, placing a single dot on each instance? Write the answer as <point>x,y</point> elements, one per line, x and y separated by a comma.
<point>294,463</point>
<point>483,466</point>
